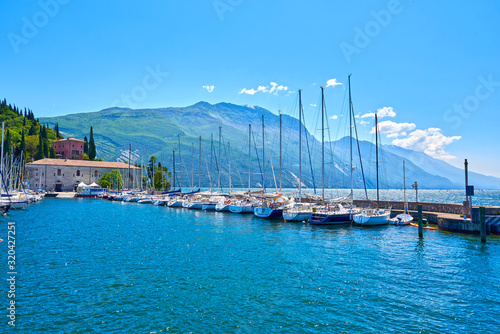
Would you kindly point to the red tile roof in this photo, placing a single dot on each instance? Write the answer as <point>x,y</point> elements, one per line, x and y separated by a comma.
<point>81,163</point>
<point>68,139</point>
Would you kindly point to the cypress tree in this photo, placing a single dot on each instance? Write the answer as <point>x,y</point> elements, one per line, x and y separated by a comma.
<point>46,148</point>
<point>39,154</point>
<point>85,146</point>
<point>57,130</point>
<point>23,144</point>
<point>92,150</point>
<point>52,153</point>
<point>32,130</point>
<point>6,143</point>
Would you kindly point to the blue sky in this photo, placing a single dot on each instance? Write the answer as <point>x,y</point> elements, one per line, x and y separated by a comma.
<point>431,67</point>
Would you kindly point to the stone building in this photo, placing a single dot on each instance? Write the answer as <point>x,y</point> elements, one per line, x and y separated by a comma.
<point>69,148</point>
<point>66,174</point>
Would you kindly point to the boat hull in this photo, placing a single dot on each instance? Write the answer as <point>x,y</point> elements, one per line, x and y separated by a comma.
<point>264,212</point>
<point>296,216</point>
<point>330,219</point>
<point>241,208</point>
<point>401,220</point>
<point>209,206</point>
<point>221,207</point>
<point>371,220</point>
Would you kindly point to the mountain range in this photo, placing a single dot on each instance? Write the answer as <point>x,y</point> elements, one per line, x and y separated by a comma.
<point>159,131</point>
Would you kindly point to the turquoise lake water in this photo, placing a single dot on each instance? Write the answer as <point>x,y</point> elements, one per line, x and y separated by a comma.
<point>86,266</point>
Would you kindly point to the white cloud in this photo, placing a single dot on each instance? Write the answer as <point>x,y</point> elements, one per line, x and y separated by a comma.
<point>381,113</point>
<point>332,82</point>
<point>248,91</point>
<point>210,89</point>
<point>334,117</point>
<point>393,129</point>
<point>363,123</point>
<point>313,105</point>
<point>430,141</point>
<point>275,88</point>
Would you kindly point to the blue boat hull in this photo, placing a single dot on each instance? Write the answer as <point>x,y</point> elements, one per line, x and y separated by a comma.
<point>326,219</point>
<point>268,213</point>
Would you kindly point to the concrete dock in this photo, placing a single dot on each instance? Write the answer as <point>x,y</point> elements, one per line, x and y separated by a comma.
<point>446,216</point>
<point>63,194</point>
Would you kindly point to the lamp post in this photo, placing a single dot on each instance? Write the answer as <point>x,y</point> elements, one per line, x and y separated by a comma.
<point>415,186</point>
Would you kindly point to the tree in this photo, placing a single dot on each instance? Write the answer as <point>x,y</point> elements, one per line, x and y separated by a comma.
<point>46,150</point>
<point>6,145</point>
<point>151,167</point>
<point>161,181</point>
<point>86,146</point>
<point>56,129</point>
<point>32,130</point>
<point>92,149</point>
<point>23,144</point>
<point>39,154</point>
<point>52,153</point>
<point>111,179</point>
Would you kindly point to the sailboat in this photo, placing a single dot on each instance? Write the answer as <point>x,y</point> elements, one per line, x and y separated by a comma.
<point>246,202</point>
<point>403,218</point>
<point>223,204</point>
<point>301,210</point>
<point>330,213</point>
<point>270,205</point>
<point>376,216</point>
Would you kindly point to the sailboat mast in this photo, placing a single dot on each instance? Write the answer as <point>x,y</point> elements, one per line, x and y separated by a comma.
<point>249,153</point>
<point>280,151</point>
<point>322,144</point>
<point>173,165</point>
<point>376,150</point>
<point>300,145</point>
<point>180,162</point>
<point>219,187</point>
<point>129,149</point>
<point>350,136</point>
<point>229,163</point>
<point>199,167</point>
<point>192,165</point>
<point>263,157</point>
<point>404,185</point>
<point>211,157</point>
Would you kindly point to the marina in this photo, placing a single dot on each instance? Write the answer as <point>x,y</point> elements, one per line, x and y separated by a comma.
<point>106,265</point>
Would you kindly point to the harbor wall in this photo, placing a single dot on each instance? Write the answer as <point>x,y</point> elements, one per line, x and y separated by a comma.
<point>427,206</point>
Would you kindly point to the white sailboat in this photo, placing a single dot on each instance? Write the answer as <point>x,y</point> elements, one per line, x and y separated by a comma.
<point>403,218</point>
<point>330,213</point>
<point>246,204</point>
<point>372,217</point>
<point>297,211</point>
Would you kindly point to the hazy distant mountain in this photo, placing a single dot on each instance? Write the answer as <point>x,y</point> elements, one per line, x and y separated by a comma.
<point>157,131</point>
<point>441,168</point>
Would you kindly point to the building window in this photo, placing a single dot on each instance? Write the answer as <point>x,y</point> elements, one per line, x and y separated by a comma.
<point>78,173</point>
<point>95,173</point>
<point>58,172</point>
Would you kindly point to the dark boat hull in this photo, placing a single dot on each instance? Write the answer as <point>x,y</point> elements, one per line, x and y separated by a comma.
<point>330,219</point>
